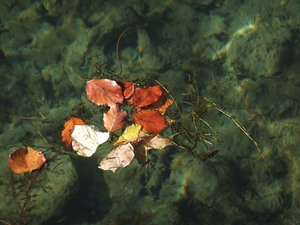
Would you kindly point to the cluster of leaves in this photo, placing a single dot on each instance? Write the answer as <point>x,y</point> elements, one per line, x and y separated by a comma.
<point>133,120</point>
<point>140,110</point>
<point>136,116</point>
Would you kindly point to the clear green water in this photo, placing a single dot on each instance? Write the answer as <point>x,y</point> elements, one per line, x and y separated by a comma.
<point>244,55</point>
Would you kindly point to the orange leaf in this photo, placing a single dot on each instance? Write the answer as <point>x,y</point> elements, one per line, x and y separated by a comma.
<point>161,105</point>
<point>150,120</point>
<point>104,92</point>
<point>146,96</point>
<point>114,118</point>
<point>68,127</point>
<point>127,88</point>
<point>25,160</point>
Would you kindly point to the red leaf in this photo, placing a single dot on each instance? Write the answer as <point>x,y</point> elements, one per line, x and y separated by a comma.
<point>161,104</point>
<point>104,92</point>
<point>114,118</point>
<point>127,88</point>
<point>146,96</point>
<point>68,128</point>
<point>25,160</point>
<point>150,120</point>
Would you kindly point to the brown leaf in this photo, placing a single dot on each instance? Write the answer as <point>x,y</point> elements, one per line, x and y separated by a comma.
<point>148,141</point>
<point>161,105</point>
<point>25,160</point>
<point>104,92</point>
<point>114,118</point>
<point>146,96</point>
<point>140,153</point>
<point>68,127</point>
<point>150,120</point>
<point>127,88</point>
<point>158,142</point>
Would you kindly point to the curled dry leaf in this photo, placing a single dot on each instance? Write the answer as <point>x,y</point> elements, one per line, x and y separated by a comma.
<point>130,134</point>
<point>148,141</point>
<point>68,128</point>
<point>119,157</point>
<point>87,138</point>
<point>25,159</point>
<point>158,142</point>
<point>150,120</point>
<point>104,92</point>
<point>114,118</point>
<point>146,96</point>
<point>141,154</point>
<point>127,88</point>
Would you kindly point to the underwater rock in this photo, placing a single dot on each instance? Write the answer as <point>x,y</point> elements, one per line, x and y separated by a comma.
<point>201,3</point>
<point>266,197</point>
<point>189,178</point>
<point>260,47</point>
<point>148,59</point>
<point>49,192</point>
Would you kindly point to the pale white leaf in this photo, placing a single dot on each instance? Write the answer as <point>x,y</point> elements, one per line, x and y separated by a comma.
<point>119,157</point>
<point>86,139</point>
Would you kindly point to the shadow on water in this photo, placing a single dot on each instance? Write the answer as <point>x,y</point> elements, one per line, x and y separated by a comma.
<point>90,202</point>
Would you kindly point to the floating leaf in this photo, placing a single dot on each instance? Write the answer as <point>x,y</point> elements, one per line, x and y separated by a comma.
<point>148,141</point>
<point>68,127</point>
<point>104,92</point>
<point>119,157</point>
<point>169,121</point>
<point>140,153</point>
<point>114,118</point>
<point>150,120</point>
<point>25,160</point>
<point>157,142</point>
<point>86,139</point>
<point>146,96</point>
<point>130,134</point>
<point>127,88</point>
<point>161,104</point>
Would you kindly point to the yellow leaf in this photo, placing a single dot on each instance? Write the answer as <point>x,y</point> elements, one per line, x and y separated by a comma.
<point>130,134</point>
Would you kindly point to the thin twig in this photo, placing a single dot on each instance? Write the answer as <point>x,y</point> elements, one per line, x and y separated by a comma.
<point>243,129</point>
